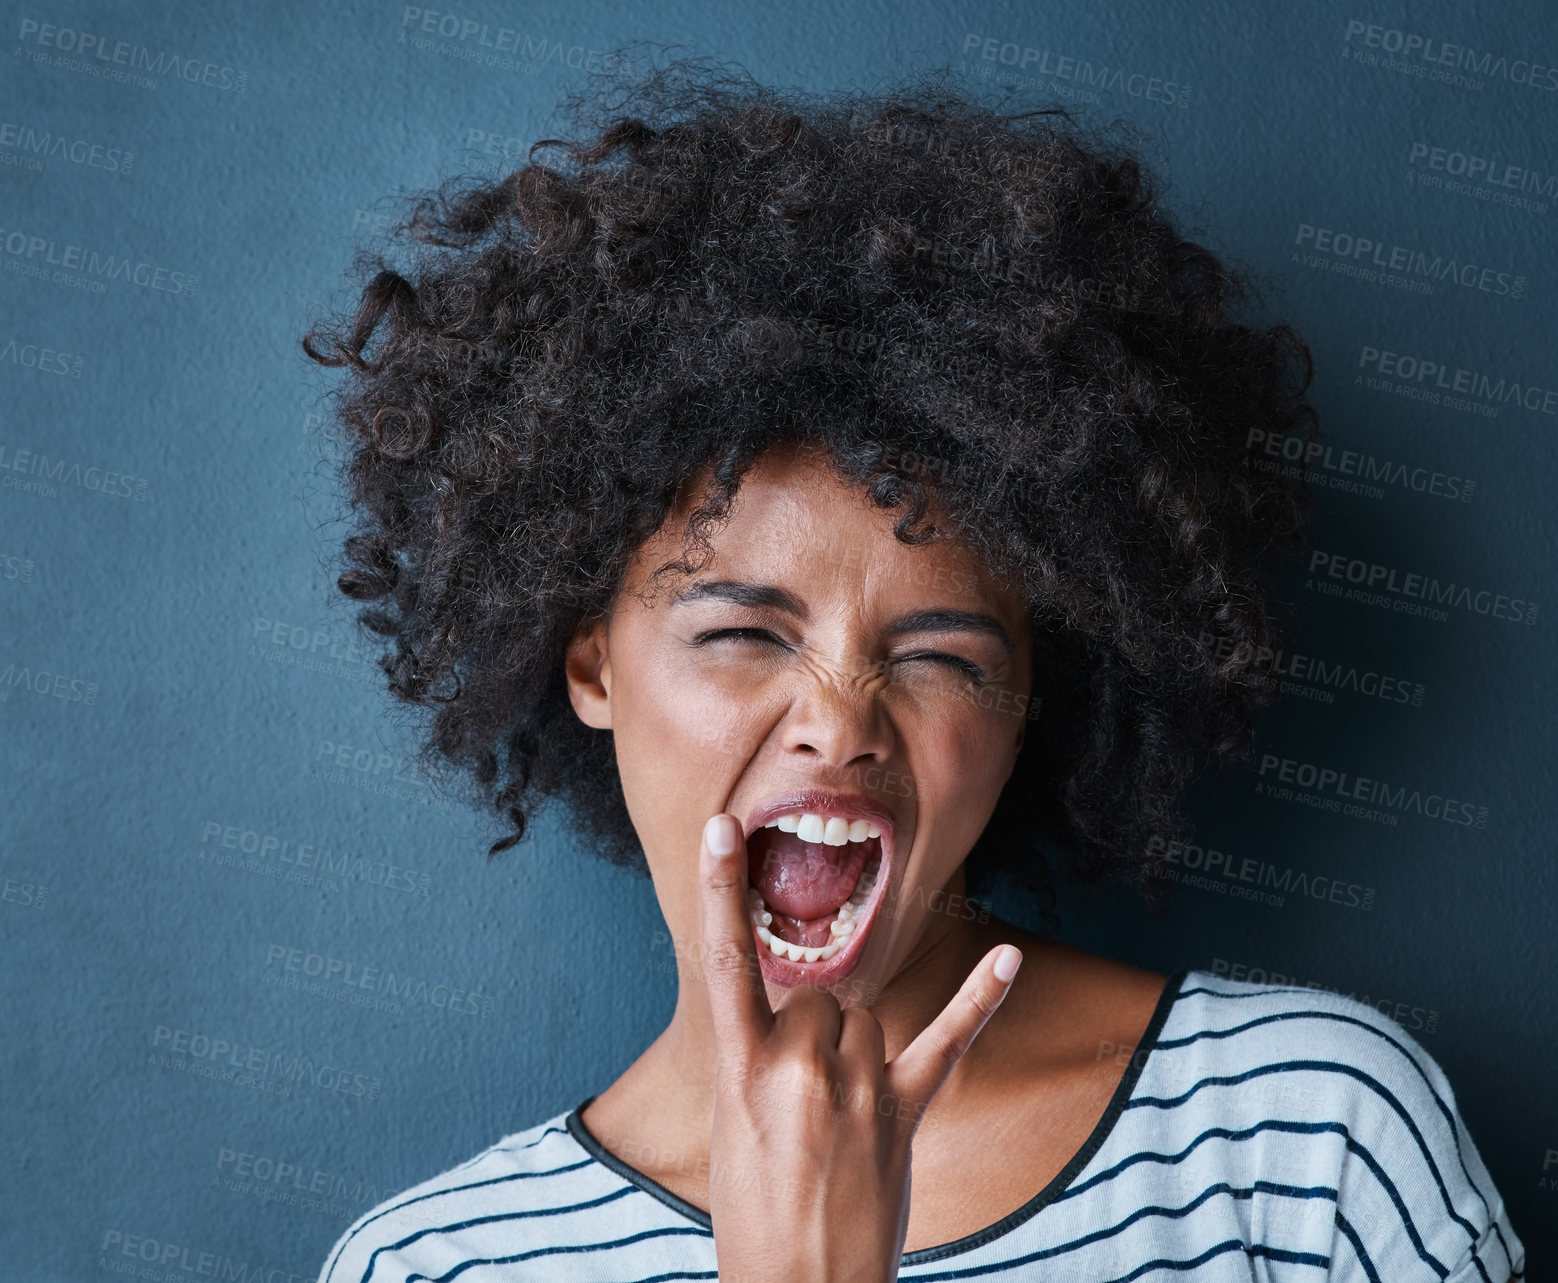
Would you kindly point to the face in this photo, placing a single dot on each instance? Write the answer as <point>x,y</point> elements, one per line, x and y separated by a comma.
<point>814,667</point>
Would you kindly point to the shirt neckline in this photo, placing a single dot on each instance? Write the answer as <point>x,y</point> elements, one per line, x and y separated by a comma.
<point>1009,1222</point>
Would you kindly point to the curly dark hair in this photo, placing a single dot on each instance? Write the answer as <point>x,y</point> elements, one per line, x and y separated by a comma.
<point>991,308</point>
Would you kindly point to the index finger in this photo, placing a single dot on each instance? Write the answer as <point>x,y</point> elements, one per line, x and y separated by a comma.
<point>731,968</point>
<point>917,1072</point>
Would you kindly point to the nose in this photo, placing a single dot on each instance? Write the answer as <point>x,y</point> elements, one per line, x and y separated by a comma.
<point>837,717</point>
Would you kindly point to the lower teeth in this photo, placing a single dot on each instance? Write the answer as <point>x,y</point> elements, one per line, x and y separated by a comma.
<point>842,927</point>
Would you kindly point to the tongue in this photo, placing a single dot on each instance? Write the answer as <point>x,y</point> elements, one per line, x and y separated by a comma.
<point>804,880</point>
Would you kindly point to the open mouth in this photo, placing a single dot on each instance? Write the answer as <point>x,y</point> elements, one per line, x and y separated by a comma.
<point>816,864</point>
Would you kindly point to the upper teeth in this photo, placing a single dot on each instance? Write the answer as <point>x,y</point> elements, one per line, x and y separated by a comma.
<point>832,830</point>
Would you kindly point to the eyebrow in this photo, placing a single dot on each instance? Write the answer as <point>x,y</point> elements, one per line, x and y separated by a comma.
<point>759,596</point>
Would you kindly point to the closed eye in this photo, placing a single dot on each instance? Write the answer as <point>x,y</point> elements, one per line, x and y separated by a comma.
<point>953,661</point>
<point>750,634</point>
<point>956,662</point>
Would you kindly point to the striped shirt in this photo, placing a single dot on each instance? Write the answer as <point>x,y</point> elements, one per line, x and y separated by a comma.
<point>1259,1132</point>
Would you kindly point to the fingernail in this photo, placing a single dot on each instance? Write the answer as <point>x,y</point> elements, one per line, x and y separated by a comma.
<point>720,834</point>
<point>1007,962</point>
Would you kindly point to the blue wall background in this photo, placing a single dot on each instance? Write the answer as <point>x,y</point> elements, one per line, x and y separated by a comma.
<point>201,774</point>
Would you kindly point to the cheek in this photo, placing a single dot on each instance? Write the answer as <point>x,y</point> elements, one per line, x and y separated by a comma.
<point>967,728</point>
<point>959,758</point>
<point>691,723</point>
<point>682,737</point>
<point>671,787</point>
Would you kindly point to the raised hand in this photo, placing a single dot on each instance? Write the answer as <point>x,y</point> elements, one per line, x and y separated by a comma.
<point>809,1162</point>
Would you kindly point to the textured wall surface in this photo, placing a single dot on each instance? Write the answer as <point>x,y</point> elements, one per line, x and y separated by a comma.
<point>201,774</point>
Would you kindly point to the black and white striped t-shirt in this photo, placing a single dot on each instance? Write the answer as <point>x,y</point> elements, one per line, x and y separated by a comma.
<point>1260,1132</point>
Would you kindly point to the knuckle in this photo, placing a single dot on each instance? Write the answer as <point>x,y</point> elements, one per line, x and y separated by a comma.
<point>803,1052</point>
<point>724,957</point>
<point>799,1058</point>
<point>950,1050</point>
<point>857,1019</point>
<point>724,878</point>
<point>860,1023</point>
<point>984,1002</point>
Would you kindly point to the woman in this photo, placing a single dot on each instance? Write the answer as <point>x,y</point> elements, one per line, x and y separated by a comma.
<point>839,503</point>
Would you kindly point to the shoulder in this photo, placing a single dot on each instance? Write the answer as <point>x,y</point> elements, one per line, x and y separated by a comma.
<point>438,1224</point>
<point>1347,1104</point>
<point>1219,1026</point>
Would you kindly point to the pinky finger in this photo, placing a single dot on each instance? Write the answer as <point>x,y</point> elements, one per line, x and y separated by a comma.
<point>918,1071</point>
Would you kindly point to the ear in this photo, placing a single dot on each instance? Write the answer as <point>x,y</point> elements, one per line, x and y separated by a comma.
<point>587,667</point>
